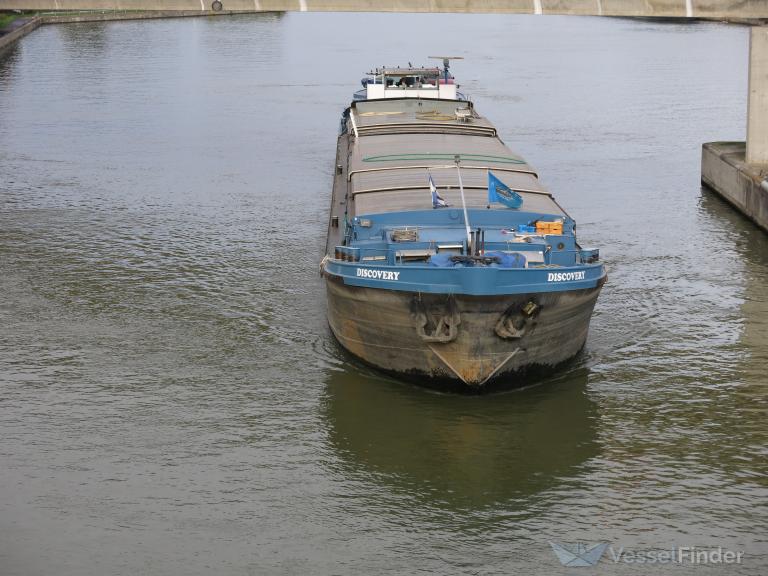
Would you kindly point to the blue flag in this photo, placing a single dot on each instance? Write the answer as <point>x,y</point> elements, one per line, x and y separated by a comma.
<point>437,200</point>
<point>500,192</point>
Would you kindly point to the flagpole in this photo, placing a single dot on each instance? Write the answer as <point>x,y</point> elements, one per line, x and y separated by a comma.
<point>457,159</point>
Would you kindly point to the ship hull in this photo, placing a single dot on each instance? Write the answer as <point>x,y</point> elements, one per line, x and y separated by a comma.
<point>457,340</point>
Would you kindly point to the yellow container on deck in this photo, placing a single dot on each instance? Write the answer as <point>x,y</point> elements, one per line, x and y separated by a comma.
<point>549,227</point>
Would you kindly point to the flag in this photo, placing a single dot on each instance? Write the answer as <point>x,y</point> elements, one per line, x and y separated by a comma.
<point>437,200</point>
<point>500,192</point>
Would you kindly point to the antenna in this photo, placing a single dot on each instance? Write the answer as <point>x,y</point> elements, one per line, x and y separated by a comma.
<point>446,62</point>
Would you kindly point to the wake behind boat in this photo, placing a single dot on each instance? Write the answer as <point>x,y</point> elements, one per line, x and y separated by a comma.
<point>446,258</point>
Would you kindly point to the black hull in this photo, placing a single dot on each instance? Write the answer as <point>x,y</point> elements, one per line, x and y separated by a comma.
<point>459,342</point>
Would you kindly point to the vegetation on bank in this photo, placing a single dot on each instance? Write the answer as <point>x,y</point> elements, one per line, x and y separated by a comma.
<point>6,18</point>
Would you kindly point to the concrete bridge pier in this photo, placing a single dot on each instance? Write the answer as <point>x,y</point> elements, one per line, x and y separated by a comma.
<point>757,114</point>
<point>738,171</point>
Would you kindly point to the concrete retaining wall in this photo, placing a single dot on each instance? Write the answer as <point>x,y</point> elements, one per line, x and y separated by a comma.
<point>658,8</point>
<point>124,15</point>
<point>10,38</point>
<point>723,170</point>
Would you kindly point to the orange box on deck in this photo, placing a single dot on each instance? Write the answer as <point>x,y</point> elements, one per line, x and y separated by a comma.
<point>549,227</point>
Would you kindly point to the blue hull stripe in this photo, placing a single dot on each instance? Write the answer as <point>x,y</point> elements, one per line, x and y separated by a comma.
<point>485,281</point>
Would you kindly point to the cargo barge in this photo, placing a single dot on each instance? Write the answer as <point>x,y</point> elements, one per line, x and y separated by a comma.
<point>447,260</point>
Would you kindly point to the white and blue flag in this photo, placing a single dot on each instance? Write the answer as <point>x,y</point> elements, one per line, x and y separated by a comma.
<point>437,200</point>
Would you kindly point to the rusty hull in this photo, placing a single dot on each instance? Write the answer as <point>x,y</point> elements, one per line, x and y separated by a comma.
<point>497,337</point>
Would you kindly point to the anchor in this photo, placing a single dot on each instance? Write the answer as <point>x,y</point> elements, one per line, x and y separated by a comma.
<point>444,329</point>
<point>516,321</point>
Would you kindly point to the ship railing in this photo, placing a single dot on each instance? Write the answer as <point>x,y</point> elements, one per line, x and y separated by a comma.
<point>564,257</point>
<point>356,254</point>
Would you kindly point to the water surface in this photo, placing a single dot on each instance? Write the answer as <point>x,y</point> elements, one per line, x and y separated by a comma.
<point>172,402</point>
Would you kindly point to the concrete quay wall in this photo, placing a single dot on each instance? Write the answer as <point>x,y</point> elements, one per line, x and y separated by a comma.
<point>23,26</point>
<point>724,170</point>
<point>745,9</point>
<point>109,15</point>
<point>9,38</point>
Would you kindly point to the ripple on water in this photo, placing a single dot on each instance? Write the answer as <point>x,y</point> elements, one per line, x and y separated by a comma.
<point>171,399</point>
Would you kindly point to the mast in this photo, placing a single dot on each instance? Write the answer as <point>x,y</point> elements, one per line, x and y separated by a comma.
<point>457,159</point>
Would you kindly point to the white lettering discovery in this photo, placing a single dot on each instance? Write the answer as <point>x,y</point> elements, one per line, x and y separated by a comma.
<point>566,276</point>
<point>378,274</point>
